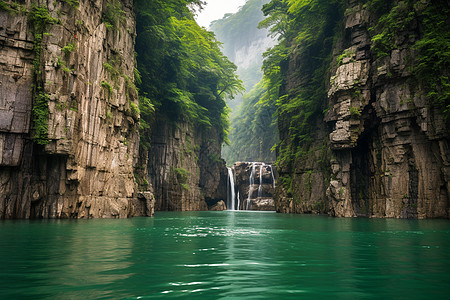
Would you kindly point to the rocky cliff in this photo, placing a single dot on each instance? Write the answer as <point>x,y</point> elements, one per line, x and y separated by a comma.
<point>68,119</point>
<point>184,166</point>
<point>389,143</point>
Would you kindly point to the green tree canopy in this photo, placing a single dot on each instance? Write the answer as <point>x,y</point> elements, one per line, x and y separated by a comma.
<point>306,30</point>
<point>183,71</point>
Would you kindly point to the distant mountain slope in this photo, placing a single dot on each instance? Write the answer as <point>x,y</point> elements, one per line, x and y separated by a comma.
<point>244,43</point>
<point>253,130</point>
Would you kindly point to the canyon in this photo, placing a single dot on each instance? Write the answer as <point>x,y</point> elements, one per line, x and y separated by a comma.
<point>72,143</point>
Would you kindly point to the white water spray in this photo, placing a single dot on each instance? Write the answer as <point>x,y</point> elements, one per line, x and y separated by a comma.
<point>238,201</point>
<point>260,180</point>
<point>273,177</point>
<point>230,204</point>
<point>251,183</point>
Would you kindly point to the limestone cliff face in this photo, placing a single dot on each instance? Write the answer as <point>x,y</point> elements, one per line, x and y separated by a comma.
<point>389,146</point>
<point>309,177</point>
<point>184,166</point>
<point>85,71</point>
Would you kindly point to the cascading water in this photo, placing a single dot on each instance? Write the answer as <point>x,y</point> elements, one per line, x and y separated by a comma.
<point>238,201</point>
<point>260,180</point>
<point>235,183</point>
<point>273,177</point>
<point>251,183</point>
<point>231,187</point>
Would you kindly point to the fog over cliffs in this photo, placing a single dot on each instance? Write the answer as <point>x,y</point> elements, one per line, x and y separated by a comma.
<point>243,43</point>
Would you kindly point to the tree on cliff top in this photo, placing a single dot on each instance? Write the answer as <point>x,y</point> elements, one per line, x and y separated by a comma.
<point>183,72</point>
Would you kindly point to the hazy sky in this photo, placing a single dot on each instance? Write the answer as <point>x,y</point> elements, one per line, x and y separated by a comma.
<point>215,9</point>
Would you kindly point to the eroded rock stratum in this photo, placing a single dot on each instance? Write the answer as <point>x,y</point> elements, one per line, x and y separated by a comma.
<point>84,69</point>
<point>387,147</point>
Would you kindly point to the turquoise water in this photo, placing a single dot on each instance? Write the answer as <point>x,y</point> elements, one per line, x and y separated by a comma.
<point>225,255</point>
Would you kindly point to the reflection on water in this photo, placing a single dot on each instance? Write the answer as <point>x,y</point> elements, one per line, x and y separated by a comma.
<point>225,255</point>
<point>63,258</point>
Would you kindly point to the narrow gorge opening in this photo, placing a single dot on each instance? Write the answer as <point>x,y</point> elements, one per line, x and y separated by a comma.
<point>252,135</point>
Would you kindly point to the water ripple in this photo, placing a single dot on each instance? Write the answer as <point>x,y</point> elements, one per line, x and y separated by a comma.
<point>225,255</point>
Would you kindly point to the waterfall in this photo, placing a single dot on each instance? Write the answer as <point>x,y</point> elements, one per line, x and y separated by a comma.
<point>273,177</point>
<point>260,180</point>
<point>238,201</point>
<point>231,187</point>
<point>251,183</point>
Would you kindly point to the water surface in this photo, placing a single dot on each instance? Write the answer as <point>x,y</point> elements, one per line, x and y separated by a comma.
<point>225,255</point>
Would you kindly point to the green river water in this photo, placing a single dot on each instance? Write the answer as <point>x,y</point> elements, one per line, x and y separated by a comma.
<point>225,255</point>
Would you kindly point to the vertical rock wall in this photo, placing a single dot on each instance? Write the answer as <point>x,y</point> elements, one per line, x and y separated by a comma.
<point>303,183</point>
<point>86,168</point>
<point>184,166</point>
<point>389,145</point>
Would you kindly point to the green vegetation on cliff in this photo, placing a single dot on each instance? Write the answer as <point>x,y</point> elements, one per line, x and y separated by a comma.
<point>39,18</point>
<point>254,128</point>
<point>240,31</point>
<point>113,15</point>
<point>311,34</point>
<point>183,72</point>
<point>307,31</point>
<point>431,20</point>
<point>12,7</point>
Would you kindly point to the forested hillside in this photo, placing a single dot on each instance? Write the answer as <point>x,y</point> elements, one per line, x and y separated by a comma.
<point>182,72</point>
<point>243,42</point>
<point>253,126</point>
